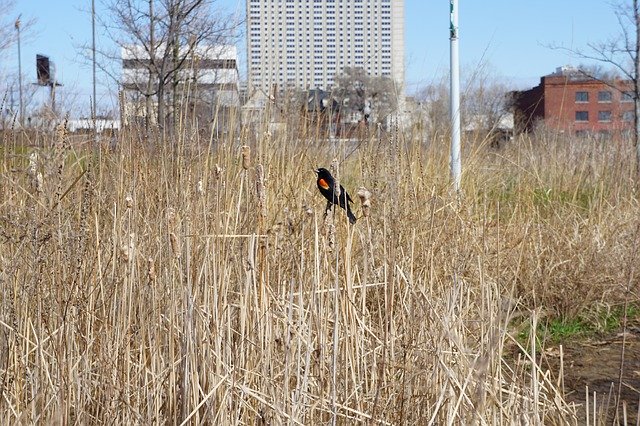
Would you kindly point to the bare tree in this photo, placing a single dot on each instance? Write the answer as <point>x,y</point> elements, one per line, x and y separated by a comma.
<point>374,97</point>
<point>9,20</point>
<point>484,103</point>
<point>622,52</point>
<point>7,33</point>
<point>435,100</point>
<point>158,39</point>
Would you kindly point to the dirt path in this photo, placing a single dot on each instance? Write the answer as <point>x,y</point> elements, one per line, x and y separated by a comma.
<point>596,363</point>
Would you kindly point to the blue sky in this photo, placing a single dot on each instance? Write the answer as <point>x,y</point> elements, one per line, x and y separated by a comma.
<point>510,38</point>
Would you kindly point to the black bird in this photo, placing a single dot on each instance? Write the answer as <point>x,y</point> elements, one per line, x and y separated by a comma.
<point>326,185</point>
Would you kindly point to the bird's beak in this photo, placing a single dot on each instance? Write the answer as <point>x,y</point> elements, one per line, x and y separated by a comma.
<point>316,171</point>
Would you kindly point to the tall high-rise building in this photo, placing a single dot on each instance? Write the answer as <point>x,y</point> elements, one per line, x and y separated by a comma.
<point>304,44</point>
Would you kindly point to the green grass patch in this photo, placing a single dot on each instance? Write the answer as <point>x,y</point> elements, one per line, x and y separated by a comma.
<point>584,326</point>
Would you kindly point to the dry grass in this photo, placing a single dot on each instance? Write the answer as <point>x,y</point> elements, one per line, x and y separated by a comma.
<point>191,285</point>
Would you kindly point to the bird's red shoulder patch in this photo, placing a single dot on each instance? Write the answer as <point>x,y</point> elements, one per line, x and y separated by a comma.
<point>323,183</point>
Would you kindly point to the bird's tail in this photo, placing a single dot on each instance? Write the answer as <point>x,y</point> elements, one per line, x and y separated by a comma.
<point>350,215</point>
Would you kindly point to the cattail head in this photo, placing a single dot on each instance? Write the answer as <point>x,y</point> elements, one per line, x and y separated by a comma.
<point>246,157</point>
<point>261,192</point>
<point>308,210</point>
<point>365,200</point>
<point>37,180</point>
<point>330,229</point>
<point>175,245</point>
<point>172,224</point>
<point>151,270</point>
<point>61,133</point>
<point>127,251</point>
<point>33,163</point>
<point>334,171</point>
<point>217,173</point>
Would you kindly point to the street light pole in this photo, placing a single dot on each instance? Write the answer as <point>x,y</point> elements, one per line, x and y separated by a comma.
<point>93,48</point>
<point>456,164</point>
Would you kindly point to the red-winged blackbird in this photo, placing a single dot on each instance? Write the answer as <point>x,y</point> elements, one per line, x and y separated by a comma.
<point>326,185</point>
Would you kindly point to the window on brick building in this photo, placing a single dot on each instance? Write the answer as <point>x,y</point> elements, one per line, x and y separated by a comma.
<point>604,96</point>
<point>604,115</point>
<point>582,96</point>
<point>582,115</point>
<point>604,135</point>
<point>627,97</point>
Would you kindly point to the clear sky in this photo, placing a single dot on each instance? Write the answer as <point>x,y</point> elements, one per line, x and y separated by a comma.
<point>510,38</point>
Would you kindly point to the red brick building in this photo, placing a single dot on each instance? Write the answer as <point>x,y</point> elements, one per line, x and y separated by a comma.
<point>570,101</point>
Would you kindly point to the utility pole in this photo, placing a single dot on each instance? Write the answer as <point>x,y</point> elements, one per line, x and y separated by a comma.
<point>20,73</point>
<point>93,51</point>
<point>456,164</point>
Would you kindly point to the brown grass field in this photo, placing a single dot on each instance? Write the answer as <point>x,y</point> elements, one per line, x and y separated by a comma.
<point>187,284</point>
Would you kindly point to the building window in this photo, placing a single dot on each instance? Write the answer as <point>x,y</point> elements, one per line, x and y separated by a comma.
<point>582,115</point>
<point>604,116</point>
<point>604,135</point>
<point>604,96</point>
<point>582,96</point>
<point>627,97</point>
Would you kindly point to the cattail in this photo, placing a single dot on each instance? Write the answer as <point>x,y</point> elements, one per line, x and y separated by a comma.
<point>246,157</point>
<point>37,180</point>
<point>330,229</point>
<point>61,133</point>
<point>365,200</point>
<point>334,172</point>
<point>175,244</point>
<point>151,270</point>
<point>124,254</point>
<point>173,238</point>
<point>127,251</point>
<point>132,237</point>
<point>261,192</point>
<point>33,164</point>
<point>171,218</point>
<point>217,173</point>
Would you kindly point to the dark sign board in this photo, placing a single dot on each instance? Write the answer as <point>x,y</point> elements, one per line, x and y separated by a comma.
<point>43,70</point>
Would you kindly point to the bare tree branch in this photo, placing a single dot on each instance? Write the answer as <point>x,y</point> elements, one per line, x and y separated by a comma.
<point>159,37</point>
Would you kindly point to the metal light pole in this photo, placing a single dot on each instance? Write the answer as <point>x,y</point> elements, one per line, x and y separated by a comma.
<point>93,48</point>
<point>20,73</point>
<point>456,164</point>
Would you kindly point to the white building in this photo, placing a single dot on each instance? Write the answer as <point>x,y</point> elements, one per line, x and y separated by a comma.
<point>305,43</point>
<point>210,75</point>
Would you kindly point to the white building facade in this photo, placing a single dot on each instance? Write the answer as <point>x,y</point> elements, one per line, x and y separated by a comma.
<point>210,74</point>
<point>304,44</point>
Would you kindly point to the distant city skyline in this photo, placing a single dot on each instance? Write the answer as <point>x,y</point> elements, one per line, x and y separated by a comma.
<point>509,39</point>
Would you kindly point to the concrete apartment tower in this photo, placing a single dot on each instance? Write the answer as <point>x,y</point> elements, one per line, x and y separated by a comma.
<point>303,44</point>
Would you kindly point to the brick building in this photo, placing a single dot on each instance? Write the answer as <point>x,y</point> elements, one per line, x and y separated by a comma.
<point>570,101</point>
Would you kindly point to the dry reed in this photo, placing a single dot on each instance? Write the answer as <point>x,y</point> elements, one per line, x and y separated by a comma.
<point>146,299</point>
